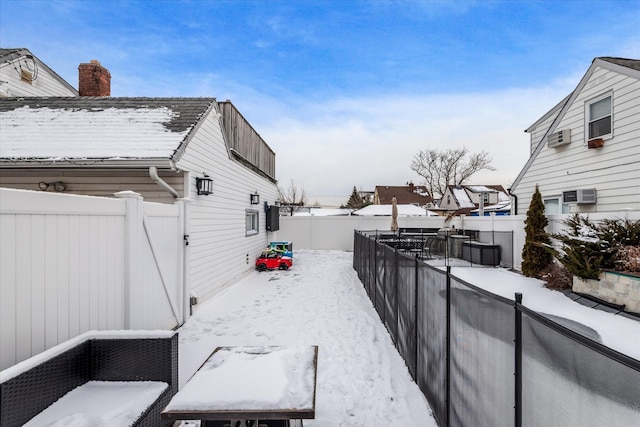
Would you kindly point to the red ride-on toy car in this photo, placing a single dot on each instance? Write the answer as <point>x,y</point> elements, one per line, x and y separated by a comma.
<point>271,259</point>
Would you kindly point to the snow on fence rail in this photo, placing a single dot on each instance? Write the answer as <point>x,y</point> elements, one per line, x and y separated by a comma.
<point>70,264</point>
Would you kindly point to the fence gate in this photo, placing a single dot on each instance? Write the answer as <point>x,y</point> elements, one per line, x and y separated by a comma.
<point>154,265</point>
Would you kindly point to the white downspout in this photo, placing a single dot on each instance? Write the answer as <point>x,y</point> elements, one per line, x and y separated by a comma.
<point>153,173</point>
<point>186,201</point>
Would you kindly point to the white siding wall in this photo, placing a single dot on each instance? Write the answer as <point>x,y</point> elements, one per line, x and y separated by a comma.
<point>44,85</point>
<point>452,206</point>
<point>539,132</point>
<point>220,252</point>
<point>614,170</point>
<point>96,182</point>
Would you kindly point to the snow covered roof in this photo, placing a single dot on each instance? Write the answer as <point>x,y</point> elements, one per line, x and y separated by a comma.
<point>63,128</point>
<point>480,189</point>
<point>497,207</point>
<point>404,194</point>
<point>385,210</point>
<point>464,201</point>
<point>461,194</point>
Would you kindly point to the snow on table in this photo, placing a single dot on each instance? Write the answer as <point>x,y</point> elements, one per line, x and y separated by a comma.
<point>100,404</point>
<point>251,379</point>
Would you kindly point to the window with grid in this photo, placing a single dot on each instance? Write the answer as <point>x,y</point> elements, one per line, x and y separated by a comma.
<point>554,205</point>
<point>599,117</point>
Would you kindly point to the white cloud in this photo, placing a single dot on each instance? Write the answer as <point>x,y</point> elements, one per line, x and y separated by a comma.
<point>331,146</point>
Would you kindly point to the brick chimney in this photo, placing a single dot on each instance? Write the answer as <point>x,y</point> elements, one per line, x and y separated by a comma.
<point>94,79</point>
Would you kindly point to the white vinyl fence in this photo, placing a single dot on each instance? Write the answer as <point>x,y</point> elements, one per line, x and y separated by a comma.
<point>336,232</point>
<point>69,264</point>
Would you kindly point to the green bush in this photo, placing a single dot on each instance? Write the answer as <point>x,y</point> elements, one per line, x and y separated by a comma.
<point>536,255</point>
<point>588,248</point>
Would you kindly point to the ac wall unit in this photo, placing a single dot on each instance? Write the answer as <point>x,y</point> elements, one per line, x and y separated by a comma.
<point>583,196</point>
<point>557,139</point>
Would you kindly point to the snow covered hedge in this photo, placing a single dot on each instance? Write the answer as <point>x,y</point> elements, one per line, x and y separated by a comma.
<point>588,248</point>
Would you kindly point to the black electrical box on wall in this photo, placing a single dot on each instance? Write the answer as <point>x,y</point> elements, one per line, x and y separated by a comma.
<point>273,218</point>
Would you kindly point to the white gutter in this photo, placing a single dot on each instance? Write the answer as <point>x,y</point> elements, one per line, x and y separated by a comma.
<point>153,173</point>
<point>81,163</point>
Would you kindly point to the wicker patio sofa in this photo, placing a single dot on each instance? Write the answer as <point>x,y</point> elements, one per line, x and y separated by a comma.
<point>99,357</point>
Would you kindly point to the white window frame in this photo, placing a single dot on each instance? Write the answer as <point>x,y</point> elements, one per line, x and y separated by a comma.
<point>252,222</point>
<point>564,208</point>
<point>587,116</point>
<point>485,198</point>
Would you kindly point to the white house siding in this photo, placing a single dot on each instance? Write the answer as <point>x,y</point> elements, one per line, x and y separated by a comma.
<point>96,182</point>
<point>220,251</point>
<point>45,84</point>
<point>540,130</point>
<point>614,169</point>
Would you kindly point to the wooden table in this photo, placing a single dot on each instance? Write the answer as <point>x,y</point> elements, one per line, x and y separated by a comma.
<point>250,386</point>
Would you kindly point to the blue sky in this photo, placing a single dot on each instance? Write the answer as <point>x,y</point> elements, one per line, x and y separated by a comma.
<point>345,92</point>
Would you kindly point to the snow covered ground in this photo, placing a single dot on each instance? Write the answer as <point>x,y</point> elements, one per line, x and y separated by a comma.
<point>617,332</point>
<point>362,381</point>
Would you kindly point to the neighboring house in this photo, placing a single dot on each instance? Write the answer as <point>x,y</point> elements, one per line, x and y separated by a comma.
<point>586,150</point>
<point>161,148</point>
<point>405,195</point>
<point>501,208</point>
<point>464,199</point>
<point>367,196</point>
<point>23,74</point>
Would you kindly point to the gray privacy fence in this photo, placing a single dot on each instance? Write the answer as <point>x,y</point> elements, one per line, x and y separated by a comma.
<point>484,360</point>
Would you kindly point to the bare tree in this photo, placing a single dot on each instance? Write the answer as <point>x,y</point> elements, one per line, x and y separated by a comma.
<point>292,198</point>
<point>441,168</point>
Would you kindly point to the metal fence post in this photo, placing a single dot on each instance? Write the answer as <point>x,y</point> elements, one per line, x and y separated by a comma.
<point>448,350</point>
<point>518,360</point>
<point>384,286</point>
<point>416,308</point>
<point>397,286</point>
<point>375,272</point>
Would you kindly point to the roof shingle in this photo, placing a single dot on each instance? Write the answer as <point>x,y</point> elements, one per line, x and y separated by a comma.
<point>96,127</point>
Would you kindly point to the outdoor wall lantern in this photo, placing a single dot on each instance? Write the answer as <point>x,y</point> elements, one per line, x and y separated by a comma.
<point>204,185</point>
<point>255,198</point>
